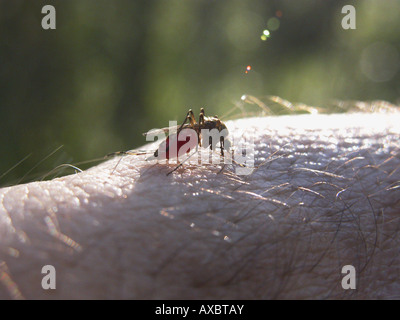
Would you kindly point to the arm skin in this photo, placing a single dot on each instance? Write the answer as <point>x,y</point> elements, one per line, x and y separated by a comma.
<point>326,194</point>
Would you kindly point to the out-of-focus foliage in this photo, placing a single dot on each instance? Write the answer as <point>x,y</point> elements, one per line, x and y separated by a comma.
<point>114,69</point>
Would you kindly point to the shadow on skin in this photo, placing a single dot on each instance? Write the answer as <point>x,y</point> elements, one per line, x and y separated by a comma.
<point>324,194</point>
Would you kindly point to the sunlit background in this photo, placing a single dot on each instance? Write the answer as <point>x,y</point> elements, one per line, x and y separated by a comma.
<point>114,69</point>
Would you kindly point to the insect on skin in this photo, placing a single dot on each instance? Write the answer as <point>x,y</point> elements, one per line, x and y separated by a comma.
<point>175,146</point>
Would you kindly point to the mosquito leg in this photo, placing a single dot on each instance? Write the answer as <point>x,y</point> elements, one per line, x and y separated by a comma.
<point>118,153</point>
<point>123,153</point>
<point>189,117</point>
<point>112,154</point>
<point>184,121</point>
<point>192,119</point>
<point>222,154</point>
<point>222,169</point>
<point>180,165</point>
<point>201,117</point>
<point>221,142</point>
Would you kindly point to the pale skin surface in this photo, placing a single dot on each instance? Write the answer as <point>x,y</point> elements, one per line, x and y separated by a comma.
<point>326,194</point>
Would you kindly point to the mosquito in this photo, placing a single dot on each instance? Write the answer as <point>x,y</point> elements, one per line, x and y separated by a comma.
<point>174,146</point>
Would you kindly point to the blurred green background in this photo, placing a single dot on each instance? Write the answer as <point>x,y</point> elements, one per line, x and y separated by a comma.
<point>113,69</point>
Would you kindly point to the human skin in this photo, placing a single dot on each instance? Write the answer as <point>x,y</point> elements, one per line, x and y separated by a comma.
<point>325,193</point>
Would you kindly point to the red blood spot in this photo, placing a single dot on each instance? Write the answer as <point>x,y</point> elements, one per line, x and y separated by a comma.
<point>180,144</point>
<point>278,13</point>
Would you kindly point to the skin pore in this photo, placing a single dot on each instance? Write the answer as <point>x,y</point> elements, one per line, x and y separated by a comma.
<point>325,193</point>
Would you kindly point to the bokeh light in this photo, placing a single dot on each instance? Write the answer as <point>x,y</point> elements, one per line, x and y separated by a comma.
<point>265,35</point>
<point>273,24</point>
<point>380,62</point>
